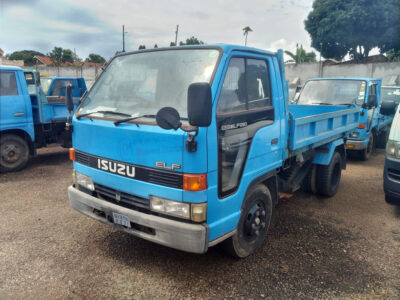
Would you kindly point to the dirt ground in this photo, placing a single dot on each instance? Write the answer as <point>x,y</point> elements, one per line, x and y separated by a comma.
<point>344,247</point>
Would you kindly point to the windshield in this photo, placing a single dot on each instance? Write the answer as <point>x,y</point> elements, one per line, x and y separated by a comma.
<point>333,92</point>
<point>391,93</point>
<point>142,83</point>
<point>45,82</point>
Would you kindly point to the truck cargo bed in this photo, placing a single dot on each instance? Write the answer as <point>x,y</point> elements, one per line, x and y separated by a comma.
<point>311,126</point>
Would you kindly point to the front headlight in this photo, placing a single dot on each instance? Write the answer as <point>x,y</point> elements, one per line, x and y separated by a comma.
<point>169,207</point>
<point>197,212</point>
<point>393,149</point>
<point>83,180</point>
<point>355,135</point>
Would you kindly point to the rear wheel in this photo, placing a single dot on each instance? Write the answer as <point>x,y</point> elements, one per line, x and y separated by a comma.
<point>328,177</point>
<point>14,153</point>
<point>309,184</point>
<point>253,223</point>
<point>367,152</point>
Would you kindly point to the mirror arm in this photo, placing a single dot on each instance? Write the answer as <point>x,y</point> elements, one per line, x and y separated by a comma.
<point>191,143</point>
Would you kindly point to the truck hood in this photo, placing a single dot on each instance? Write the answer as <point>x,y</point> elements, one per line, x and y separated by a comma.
<point>141,145</point>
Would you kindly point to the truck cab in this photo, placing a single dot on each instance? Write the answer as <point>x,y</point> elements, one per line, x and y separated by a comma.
<point>189,146</point>
<point>28,120</point>
<point>373,128</point>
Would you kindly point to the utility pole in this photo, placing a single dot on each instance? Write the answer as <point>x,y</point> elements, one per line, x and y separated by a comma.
<point>320,60</point>
<point>123,38</point>
<point>176,35</point>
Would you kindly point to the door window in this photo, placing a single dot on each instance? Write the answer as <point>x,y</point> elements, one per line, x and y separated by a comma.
<point>244,106</point>
<point>59,86</point>
<point>8,84</point>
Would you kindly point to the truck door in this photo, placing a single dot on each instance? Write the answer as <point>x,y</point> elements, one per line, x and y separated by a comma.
<point>13,112</point>
<point>55,109</point>
<point>245,113</point>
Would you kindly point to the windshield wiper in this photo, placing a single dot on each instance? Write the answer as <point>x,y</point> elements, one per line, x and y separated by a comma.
<point>102,112</point>
<point>133,118</point>
<point>322,103</point>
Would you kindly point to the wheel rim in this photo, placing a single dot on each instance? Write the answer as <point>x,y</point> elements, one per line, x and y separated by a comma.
<point>10,153</point>
<point>255,221</point>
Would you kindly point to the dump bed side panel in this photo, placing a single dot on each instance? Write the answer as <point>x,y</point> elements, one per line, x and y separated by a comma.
<point>312,126</point>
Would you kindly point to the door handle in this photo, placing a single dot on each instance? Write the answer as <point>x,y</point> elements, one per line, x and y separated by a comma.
<point>274,141</point>
<point>19,115</point>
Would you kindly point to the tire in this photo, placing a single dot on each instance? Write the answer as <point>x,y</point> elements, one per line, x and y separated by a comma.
<point>367,152</point>
<point>328,177</point>
<point>309,184</point>
<point>14,153</point>
<point>253,223</point>
<point>382,139</point>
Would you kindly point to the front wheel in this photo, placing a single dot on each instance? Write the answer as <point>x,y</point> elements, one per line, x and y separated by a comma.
<point>253,223</point>
<point>328,177</point>
<point>14,153</point>
<point>367,152</point>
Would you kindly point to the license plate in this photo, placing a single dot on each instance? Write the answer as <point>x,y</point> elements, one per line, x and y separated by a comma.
<point>121,220</point>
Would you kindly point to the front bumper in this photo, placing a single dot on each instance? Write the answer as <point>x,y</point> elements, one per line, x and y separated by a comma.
<point>179,235</point>
<point>391,178</point>
<point>356,145</point>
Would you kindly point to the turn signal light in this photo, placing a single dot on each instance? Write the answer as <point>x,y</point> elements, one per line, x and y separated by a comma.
<point>194,182</point>
<point>72,154</point>
<point>361,126</point>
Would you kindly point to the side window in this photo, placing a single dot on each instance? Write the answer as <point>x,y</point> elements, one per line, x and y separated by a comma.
<point>258,83</point>
<point>8,84</point>
<point>246,86</point>
<point>59,86</point>
<point>233,93</point>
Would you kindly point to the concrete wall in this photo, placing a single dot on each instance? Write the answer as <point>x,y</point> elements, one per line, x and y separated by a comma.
<point>89,73</point>
<point>386,71</point>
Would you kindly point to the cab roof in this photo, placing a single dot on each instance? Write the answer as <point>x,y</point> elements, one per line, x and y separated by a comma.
<point>10,68</point>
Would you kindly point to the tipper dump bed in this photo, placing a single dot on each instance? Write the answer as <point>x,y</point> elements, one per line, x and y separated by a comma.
<point>311,126</point>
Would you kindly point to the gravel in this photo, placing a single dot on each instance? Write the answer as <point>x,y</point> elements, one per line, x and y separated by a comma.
<point>347,246</point>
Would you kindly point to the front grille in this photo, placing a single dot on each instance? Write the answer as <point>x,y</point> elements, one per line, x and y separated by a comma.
<point>394,174</point>
<point>161,177</point>
<point>125,199</point>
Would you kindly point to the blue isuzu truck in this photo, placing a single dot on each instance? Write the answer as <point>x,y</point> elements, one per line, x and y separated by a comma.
<point>190,146</point>
<point>374,127</point>
<point>28,119</point>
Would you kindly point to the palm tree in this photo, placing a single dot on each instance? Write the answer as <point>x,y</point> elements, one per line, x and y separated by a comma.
<point>246,31</point>
<point>301,55</point>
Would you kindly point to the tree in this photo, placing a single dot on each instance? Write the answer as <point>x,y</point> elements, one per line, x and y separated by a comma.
<point>56,55</point>
<point>246,31</point>
<point>301,55</point>
<point>393,55</point>
<point>142,47</point>
<point>67,56</point>
<point>340,27</point>
<point>191,41</point>
<point>155,46</point>
<point>172,44</point>
<point>26,55</point>
<point>95,58</point>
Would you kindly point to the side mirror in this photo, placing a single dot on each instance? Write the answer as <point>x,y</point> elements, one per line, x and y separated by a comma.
<point>168,118</point>
<point>388,108</point>
<point>372,102</point>
<point>199,104</point>
<point>69,103</point>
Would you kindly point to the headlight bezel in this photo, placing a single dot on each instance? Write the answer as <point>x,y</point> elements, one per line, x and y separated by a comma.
<point>393,149</point>
<point>196,212</point>
<point>83,180</point>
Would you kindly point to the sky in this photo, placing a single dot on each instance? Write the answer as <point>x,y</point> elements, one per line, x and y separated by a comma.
<point>95,26</point>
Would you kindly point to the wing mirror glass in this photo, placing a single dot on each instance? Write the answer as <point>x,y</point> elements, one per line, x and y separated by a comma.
<point>388,108</point>
<point>69,103</point>
<point>199,104</point>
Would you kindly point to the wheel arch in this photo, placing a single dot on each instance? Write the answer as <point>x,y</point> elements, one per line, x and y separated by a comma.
<point>270,180</point>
